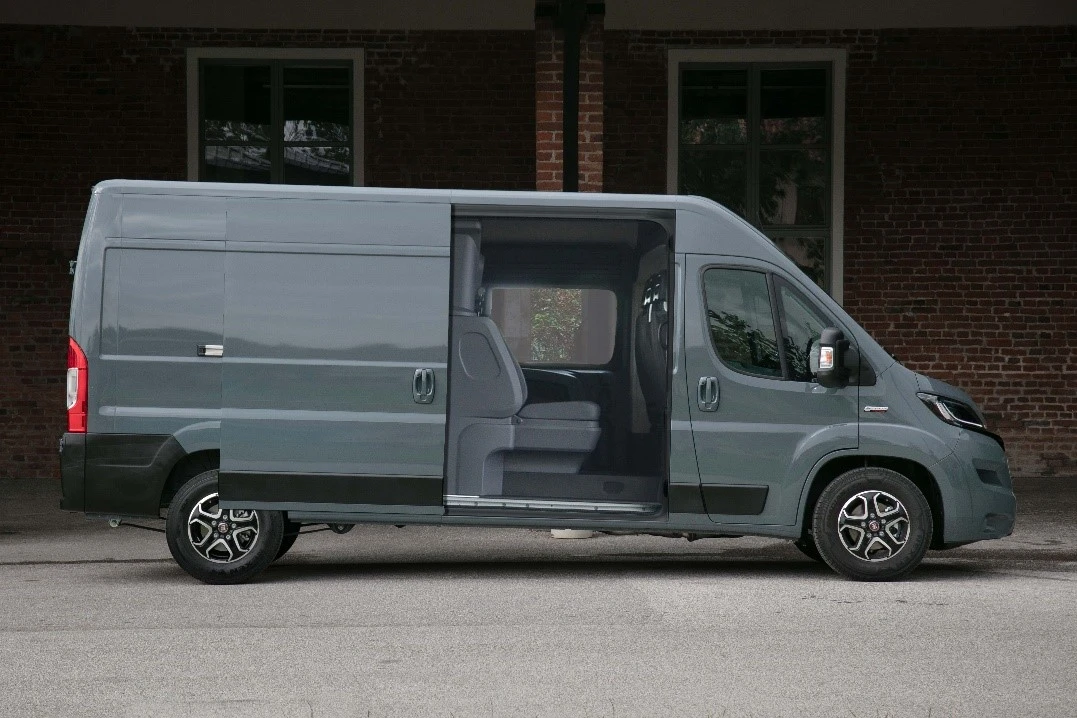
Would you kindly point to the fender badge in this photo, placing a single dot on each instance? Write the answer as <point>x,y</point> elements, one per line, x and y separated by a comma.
<point>876,409</point>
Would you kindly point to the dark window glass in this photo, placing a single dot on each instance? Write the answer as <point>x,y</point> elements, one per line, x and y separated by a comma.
<point>741,320</point>
<point>803,325</point>
<point>317,165</point>
<point>236,103</point>
<point>792,106</point>
<point>792,187</point>
<point>277,121</point>
<point>245,163</point>
<point>715,173</point>
<point>809,253</point>
<point>715,107</point>
<point>317,104</point>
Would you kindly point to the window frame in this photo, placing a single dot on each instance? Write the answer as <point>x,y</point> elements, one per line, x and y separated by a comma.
<point>774,281</point>
<point>835,59</point>
<point>775,319</point>
<point>197,56</point>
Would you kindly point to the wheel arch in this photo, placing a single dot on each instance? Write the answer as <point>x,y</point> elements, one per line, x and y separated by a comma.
<point>915,471</point>
<point>189,466</point>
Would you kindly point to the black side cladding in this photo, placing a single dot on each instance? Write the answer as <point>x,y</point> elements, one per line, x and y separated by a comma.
<point>735,500</point>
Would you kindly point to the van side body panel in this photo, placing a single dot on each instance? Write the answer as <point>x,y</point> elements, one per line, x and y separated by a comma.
<point>331,307</point>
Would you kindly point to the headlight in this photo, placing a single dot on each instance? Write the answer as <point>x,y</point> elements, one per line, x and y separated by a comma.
<point>952,411</point>
<point>957,413</point>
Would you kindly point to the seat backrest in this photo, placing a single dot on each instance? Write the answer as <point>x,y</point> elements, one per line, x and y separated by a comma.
<point>486,379</point>
<point>652,326</point>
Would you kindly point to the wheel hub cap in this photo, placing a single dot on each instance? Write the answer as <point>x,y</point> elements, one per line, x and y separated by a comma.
<point>873,526</point>
<point>221,536</point>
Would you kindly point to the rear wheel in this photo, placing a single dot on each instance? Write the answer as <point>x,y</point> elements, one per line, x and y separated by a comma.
<point>872,524</point>
<point>215,545</point>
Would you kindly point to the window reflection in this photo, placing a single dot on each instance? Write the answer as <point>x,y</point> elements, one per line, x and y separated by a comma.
<point>741,321</point>
<point>792,187</point>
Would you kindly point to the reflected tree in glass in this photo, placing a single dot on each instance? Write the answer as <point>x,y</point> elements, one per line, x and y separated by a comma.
<point>742,345</point>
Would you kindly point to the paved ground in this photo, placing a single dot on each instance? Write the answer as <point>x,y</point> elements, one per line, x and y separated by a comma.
<point>484,622</point>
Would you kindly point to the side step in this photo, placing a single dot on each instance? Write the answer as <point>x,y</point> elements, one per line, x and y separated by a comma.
<point>587,507</point>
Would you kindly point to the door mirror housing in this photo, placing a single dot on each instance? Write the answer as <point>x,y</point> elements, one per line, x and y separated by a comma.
<point>827,359</point>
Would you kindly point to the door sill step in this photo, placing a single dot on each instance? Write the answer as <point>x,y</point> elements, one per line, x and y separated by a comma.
<point>516,504</point>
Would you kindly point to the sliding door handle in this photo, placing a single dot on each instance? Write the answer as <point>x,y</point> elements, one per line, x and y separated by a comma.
<point>422,386</point>
<point>211,350</point>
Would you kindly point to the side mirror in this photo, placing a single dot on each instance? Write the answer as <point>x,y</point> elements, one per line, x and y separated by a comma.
<point>827,359</point>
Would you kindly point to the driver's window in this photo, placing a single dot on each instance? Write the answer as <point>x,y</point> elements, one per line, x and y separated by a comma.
<point>741,321</point>
<point>803,325</point>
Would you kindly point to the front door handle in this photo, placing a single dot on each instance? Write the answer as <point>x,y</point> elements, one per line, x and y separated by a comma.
<point>422,386</point>
<point>707,393</point>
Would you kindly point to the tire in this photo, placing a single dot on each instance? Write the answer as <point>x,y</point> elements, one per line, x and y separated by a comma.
<point>212,556</point>
<point>808,548</point>
<point>872,524</point>
<point>291,533</point>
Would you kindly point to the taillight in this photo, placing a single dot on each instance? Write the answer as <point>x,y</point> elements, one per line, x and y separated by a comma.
<point>77,376</point>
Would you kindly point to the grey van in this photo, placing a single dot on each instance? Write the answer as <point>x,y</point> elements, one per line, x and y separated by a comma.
<point>251,359</point>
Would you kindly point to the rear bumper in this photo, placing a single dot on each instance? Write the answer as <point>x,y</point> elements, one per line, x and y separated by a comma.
<point>116,474</point>
<point>73,472</point>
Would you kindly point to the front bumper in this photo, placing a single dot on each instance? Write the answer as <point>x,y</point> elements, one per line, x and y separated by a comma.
<point>979,463</point>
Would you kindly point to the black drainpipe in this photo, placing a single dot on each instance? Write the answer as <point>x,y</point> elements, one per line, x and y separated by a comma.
<point>571,17</point>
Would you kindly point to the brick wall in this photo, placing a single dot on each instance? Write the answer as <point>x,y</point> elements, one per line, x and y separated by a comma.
<point>960,204</point>
<point>549,114</point>
<point>444,109</point>
<point>961,174</point>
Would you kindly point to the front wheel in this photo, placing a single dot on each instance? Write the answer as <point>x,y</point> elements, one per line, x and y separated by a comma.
<point>215,545</point>
<point>872,524</point>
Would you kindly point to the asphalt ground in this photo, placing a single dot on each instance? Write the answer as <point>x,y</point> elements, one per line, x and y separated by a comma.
<point>423,621</point>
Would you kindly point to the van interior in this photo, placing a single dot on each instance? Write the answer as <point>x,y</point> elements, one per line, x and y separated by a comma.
<point>559,355</point>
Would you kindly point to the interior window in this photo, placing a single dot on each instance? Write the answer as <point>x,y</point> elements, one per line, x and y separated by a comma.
<point>741,320</point>
<point>803,325</point>
<point>556,325</point>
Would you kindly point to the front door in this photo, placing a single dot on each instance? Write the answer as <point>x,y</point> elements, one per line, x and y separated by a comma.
<point>334,370</point>
<point>758,420</point>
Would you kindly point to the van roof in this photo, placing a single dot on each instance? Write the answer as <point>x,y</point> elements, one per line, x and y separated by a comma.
<point>436,196</point>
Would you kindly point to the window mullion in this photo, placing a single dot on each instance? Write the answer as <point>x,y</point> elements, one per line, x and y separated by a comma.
<point>752,163</point>
<point>201,119</point>
<point>276,122</point>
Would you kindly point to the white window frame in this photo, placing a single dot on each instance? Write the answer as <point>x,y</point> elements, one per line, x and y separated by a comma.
<point>194,54</point>
<point>837,57</point>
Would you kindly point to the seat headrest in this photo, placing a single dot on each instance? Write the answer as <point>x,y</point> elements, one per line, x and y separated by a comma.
<point>467,273</point>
